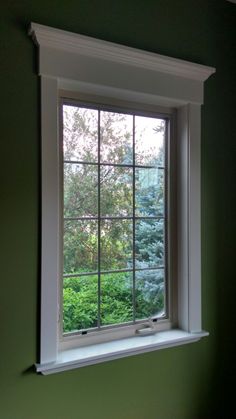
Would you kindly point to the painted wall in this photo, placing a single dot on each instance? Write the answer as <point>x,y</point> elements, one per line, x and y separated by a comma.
<point>190,382</point>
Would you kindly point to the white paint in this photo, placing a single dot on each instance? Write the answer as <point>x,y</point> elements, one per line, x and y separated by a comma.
<point>82,59</point>
<point>108,351</point>
<point>83,45</point>
<point>50,219</point>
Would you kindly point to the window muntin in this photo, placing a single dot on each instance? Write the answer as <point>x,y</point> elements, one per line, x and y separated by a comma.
<point>115,224</point>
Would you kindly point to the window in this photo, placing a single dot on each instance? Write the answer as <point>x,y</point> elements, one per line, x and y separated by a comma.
<point>114,236</point>
<point>133,194</point>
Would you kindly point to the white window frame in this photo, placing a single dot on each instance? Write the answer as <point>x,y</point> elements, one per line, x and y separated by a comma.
<point>112,332</point>
<point>76,63</point>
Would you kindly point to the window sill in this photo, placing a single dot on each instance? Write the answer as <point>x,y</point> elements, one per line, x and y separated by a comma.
<point>75,358</point>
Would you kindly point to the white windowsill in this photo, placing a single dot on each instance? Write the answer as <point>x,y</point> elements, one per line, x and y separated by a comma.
<point>94,354</point>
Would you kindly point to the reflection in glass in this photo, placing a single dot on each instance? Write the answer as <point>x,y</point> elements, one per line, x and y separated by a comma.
<point>116,138</point>
<point>149,192</point>
<point>149,294</point>
<point>116,244</point>
<point>149,141</point>
<point>149,243</point>
<point>80,133</point>
<point>116,298</point>
<point>80,190</point>
<point>80,246</point>
<point>116,191</point>
<point>80,303</point>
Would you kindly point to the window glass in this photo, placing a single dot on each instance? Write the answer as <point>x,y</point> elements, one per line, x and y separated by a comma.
<point>114,246</point>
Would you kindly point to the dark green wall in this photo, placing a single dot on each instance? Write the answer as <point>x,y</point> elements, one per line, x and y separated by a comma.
<point>190,382</point>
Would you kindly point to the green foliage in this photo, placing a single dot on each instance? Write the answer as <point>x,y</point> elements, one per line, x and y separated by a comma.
<point>80,303</point>
<point>80,246</point>
<point>149,246</point>
<point>149,293</point>
<point>80,294</point>
<point>81,300</point>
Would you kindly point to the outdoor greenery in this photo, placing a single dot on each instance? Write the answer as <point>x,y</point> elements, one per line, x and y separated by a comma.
<point>80,144</point>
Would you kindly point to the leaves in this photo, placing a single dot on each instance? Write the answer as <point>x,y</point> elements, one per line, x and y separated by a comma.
<point>80,294</point>
<point>80,144</point>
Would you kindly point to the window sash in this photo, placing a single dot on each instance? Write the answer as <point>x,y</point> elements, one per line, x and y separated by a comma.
<point>129,325</point>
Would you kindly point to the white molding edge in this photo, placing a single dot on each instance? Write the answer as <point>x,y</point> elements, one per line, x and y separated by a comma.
<point>50,219</point>
<point>83,45</point>
<point>82,357</point>
<point>189,217</point>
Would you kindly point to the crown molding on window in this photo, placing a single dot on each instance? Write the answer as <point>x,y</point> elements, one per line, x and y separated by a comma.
<point>83,45</point>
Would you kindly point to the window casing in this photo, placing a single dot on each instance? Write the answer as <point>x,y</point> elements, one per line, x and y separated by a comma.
<point>78,64</point>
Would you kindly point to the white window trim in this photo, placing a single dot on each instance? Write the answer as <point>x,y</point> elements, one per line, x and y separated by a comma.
<point>77,63</point>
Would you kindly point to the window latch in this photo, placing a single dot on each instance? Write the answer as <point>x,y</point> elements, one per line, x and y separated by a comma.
<point>146,329</point>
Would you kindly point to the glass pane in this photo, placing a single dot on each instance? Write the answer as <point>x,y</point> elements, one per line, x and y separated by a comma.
<point>149,195</point>
<point>80,134</point>
<point>80,190</point>
<point>80,246</point>
<point>116,244</point>
<point>149,294</point>
<point>116,191</point>
<point>80,303</point>
<point>149,243</point>
<point>116,138</point>
<point>116,298</point>
<point>149,141</point>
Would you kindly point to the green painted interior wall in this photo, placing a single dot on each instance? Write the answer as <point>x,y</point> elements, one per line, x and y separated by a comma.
<point>190,382</point>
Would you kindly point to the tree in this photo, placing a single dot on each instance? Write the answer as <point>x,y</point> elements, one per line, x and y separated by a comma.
<point>116,191</point>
